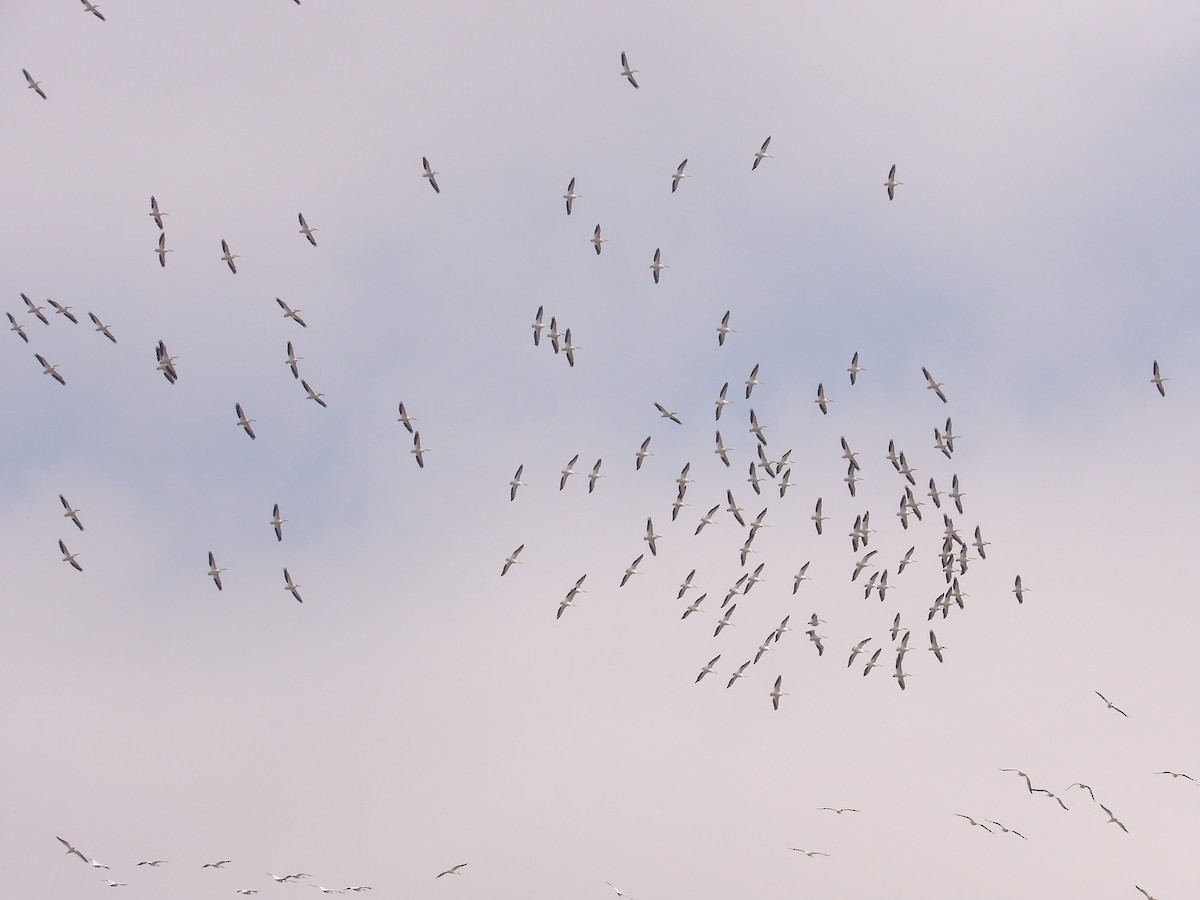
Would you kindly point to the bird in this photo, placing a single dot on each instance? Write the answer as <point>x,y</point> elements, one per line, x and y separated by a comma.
<point>16,326</point>
<point>822,401</point>
<point>100,327</point>
<point>973,822</point>
<point>1006,830</point>
<point>71,848</point>
<point>667,414</point>
<point>221,863</point>
<point>568,472</point>
<point>1145,893</point>
<point>511,560</point>
<point>678,176</point>
<point>96,864</point>
<point>1108,704</point>
<point>215,574</point>
<point>752,381</point>
<point>657,265</point>
<point>723,329</point>
<point>979,543</point>
<point>516,482</point>
<point>721,400</point>
<point>64,311</point>
<point>1019,590</point>
<point>35,86</point>
<point>1177,775</point>
<point>707,518</point>
<point>277,523</point>
<point>740,673</point>
<point>734,509</point>
<point>594,476</point>
<point>418,451</point>
<point>873,663</point>
<point>48,369</point>
<point>725,620</point>
<point>289,313</point>
<point>809,853</point>
<point>855,650</point>
<point>934,647</point>
<point>71,513</point>
<point>166,363</point>
<point>453,870</point>
<point>816,517</point>
<point>756,429</point>
<point>162,250</point>
<point>570,196</point>
<point>650,537</point>
<point>1158,380</point>
<point>891,184</point>
<point>69,557</point>
<point>405,419</point>
<point>291,586</point>
<point>431,175</point>
<point>642,452</point>
<point>596,239</point>
<point>800,577</point>
<point>88,6</point>
<point>306,231</point>
<point>839,811</point>
<point>1079,784</point>
<point>620,893</point>
<point>314,395</point>
<point>1113,820</point>
<point>686,585</point>
<point>35,310</point>
<point>855,368</point>
<point>569,348</point>
<point>776,693</point>
<point>242,421</point>
<point>628,74</point>
<point>708,668</point>
<point>538,327</point>
<point>155,213</point>
<point>112,883</point>
<point>935,386</point>
<point>761,154</point>
<point>632,569</point>
<point>249,891</point>
<point>228,257</point>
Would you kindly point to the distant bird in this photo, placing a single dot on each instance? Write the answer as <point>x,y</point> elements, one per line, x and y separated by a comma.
<point>1145,893</point>
<point>594,476</point>
<point>162,250</point>
<point>1080,784</point>
<point>249,891</point>
<point>16,326</point>
<point>1019,590</point>
<point>856,650</point>
<point>48,369</point>
<point>740,673</point>
<point>242,421</point>
<point>973,822</point>
<point>214,572</point>
<point>511,560</point>
<point>822,401</point>
<point>597,240</point>
<point>568,472</point>
<point>667,414</point>
<point>839,811</point>
<point>643,452</point>
<point>776,693</point>
<point>35,310</point>
<point>809,853</point>
<point>155,863</point>
<point>707,518</point>
<point>816,517</point>
<point>538,327</point>
<point>219,864</point>
<point>1177,775</point>
<point>873,663</point>
<point>934,647</point>
<point>725,620</point>
<point>228,257</point>
<point>291,586</point>
<point>1113,820</point>
<point>431,175</point>
<point>801,577</point>
<point>34,85</point>
<point>313,395</point>
<point>1158,380</point>
<point>1006,830</point>
<point>88,6</point>
<point>632,569</point>
<point>166,363</point>
<point>855,368</point>
<point>516,482</point>
<point>752,381</point>
<point>71,848</point>
<point>71,513</point>
<point>620,893</point>
<point>293,361</point>
<point>935,386</point>
<point>657,265</point>
<point>979,543</point>
<point>761,154</point>
<point>112,883</point>
<point>69,557</point>
<point>570,196</point>
<point>405,419</point>
<point>100,327</point>
<point>418,451</point>
<point>650,537</point>
<point>64,311</point>
<point>96,864</point>
<point>722,400</point>
<point>277,523</point>
<point>306,231</point>
<point>289,313</point>
<point>1108,704</point>
<point>891,184</point>
<point>708,668</point>
<point>678,176</point>
<point>569,348</point>
<point>453,870</point>
<point>686,585</point>
<point>155,213</point>
<point>627,73</point>
<point>723,329</point>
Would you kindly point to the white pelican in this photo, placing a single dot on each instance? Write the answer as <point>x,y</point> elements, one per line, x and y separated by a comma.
<point>162,250</point>
<point>873,663</point>
<point>71,849</point>
<point>1005,830</point>
<point>764,647</point>
<point>289,313</point>
<point>155,213</point>
<point>516,482</point>
<point>752,381</point>
<point>537,327</point>
<point>761,154</point>
<point>570,348</point>
<point>708,669</point>
<point>553,334</point>
<point>905,561</point>
<point>667,414</point>
<point>822,401</point>
<point>431,175</point>
<point>17,328</point>
<point>248,891</point>
<point>809,853</point>
<point>568,472</point>
<point>855,368</point>
<point>597,240</point>
<point>64,311</point>
<point>657,265</point>
<point>100,327</point>
<point>725,620</point>
<point>678,176</point>
<point>839,811</point>
<point>71,513</point>
<point>35,310</point>
<point>1108,705</point>
<point>594,476</point>
<point>313,395</point>
<point>642,452</point>
<point>228,257</point>
<point>756,429</point>
<point>891,184</point>
<point>721,400</point>
<point>511,560</point>
<point>34,85</point>
<point>1113,820</point>
<point>935,386</point>
<point>650,537</point>
<point>740,673</point>
<point>707,518</point>
<point>293,361</point>
<point>306,231</point>
<point>855,650</point>
<point>220,864</point>
<point>934,494</point>
<point>934,647</point>
<point>405,419</point>
<point>453,870</point>
<point>214,572</point>
<point>570,196</point>
<point>955,494</point>
<point>1158,379</point>
<point>154,863</point>
<point>776,693</point>
<point>112,883</point>
<point>1020,590</point>
<point>242,421</point>
<point>800,577</point>
<point>48,369</point>
<point>734,509</point>
<point>721,450</point>
<point>816,517</point>
<point>166,363</point>
<point>277,523</point>
<point>292,588</point>
<point>627,73</point>
<point>418,451</point>
<point>621,893</point>
<point>631,570</point>
<point>1145,893</point>
<point>1177,775</point>
<point>973,822</point>
<point>723,329</point>
<point>88,6</point>
<point>687,585</point>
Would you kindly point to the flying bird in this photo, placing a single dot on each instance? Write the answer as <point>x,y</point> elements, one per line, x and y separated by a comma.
<point>242,421</point>
<point>228,257</point>
<point>627,73</point>
<point>512,560</point>
<point>431,175</point>
<point>418,451</point>
<point>752,381</point>
<point>306,231</point>
<point>277,523</point>
<point>16,326</point>
<point>405,419</point>
<point>289,313</point>
<point>761,154</point>
<point>516,482</point>
<point>34,85</point>
<point>667,414</point>
<point>650,537</point>
<point>855,368</point>
<point>64,311</point>
<point>708,669</point>
<point>632,569</point>
<point>162,249</point>
<point>292,588</point>
<point>597,240</point>
<point>221,863</point>
<point>935,386</point>
<point>678,176</point>
<point>48,369</point>
<point>71,848</point>
<point>35,310</point>
<point>1158,379</point>
<point>1108,705</point>
<point>642,452</point>
<point>314,395</point>
<point>594,476</point>
<point>822,401</point>
<point>100,327</point>
<point>723,329</point>
<point>570,196</point>
<point>1113,820</point>
<point>155,863</point>
<point>293,361</point>
<point>1020,590</point>
<point>776,693</point>
<point>69,557</point>
<point>567,472</point>
<point>891,184</point>
<point>453,870</point>
<point>155,213</point>
<point>88,6</point>
<point>809,853</point>
<point>71,513</point>
<point>214,572</point>
<point>657,265</point>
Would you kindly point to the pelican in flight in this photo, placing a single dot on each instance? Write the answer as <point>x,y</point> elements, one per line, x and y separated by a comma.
<point>154,863</point>
<point>48,369</point>
<point>16,326</point>
<point>1158,379</point>
<point>809,853</point>
<point>214,572</point>
<point>292,588</point>
<point>431,175</point>
<point>35,310</point>
<point>1177,775</point>
<point>511,560</point>
<point>1113,820</point>
<point>418,451</point>
<point>657,265</point>
<point>626,73</point>
<point>34,85</point>
<point>71,513</point>
<point>594,476</point>
<point>723,329</point>
<point>71,848</point>
<point>314,395</point>
<point>708,668</point>
<point>306,231</point>
<point>516,482</point>
<point>405,419</point>
<point>776,693</point>
<point>1020,590</point>
<point>277,523</point>
<point>220,864</point>
<point>100,327</point>
<point>242,421</point>
<point>761,154</point>
<point>667,414</point>
<point>162,250</point>
<point>752,382</point>
<point>112,883</point>
<point>155,213</point>
<point>289,313</point>
<point>650,537</point>
<point>935,386</point>
<point>643,452</point>
<point>597,239</point>
<point>69,557</point>
<point>453,870</point>
<point>678,176</point>
<point>228,257</point>
<point>64,311</point>
<point>88,6</point>
<point>822,401</point>
<point>293,361</point>
<point>891,184</point>
<point>570,196</point>
<point>1108,704</point>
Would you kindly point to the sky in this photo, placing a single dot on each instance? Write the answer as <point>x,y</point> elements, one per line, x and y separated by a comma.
<point>418,710</point>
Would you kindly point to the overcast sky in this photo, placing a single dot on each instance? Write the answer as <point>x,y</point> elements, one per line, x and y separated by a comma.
<point>418,710</point>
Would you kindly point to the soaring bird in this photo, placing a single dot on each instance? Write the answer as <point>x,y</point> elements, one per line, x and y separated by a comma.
<point>931,385</point>
<point>228,257</point>
<point>667,414</point>
<point>855,368</point>
<point>277,523</point>
<point>69,557</point>
<point>314,395</point>
<point>1108,704</point>
<point>678,176</point>
<point>88,6</point>
<point>48,369</point>
<point>723,329</point>
<point>35,310</point>
<point>431,175</point>
<point>289,313</point>
<point>627,73</point>
<point>512,560</point>
<point>708,668</point>
<point>453,870</point>
<point>891,184</point>
<point>291,586</point>
<point>306,231</point>
<point>100,327</point>
<point>597,240</point>
<point>242,421</point>
<point>570,196</point>
<point>16,326</point>
<point>71,513</point>
<point>64,311</point>
<point>776,693</point>
<point>1158,379</point>
<point>35,86</point>
<point>650,537</point>
<point>567,472</point>
<point>657,265</point>
<point>643,452</point>
<point>162,249</point>
<point>418,451</point>
<point>214,572</point>
<point>761,154</point>
<point>405,419</point>
<point>155,213</point>
<point>71,848</point>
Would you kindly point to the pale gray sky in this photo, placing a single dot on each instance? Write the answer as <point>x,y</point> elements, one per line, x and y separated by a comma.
<point>419,711</point>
